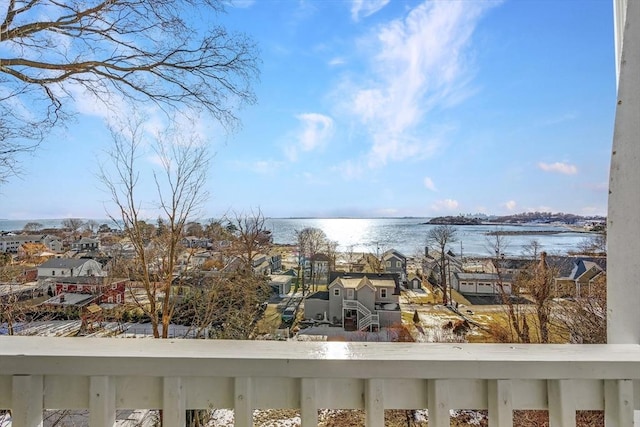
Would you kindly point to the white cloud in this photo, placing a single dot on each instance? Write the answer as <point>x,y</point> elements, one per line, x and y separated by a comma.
<point>315,131</point>
<point>558,167</point>
<point>417,64</point>
<point>446,205</point>
<point>428,182</point>
<point>366,7</point>
<point>510,205</point>
<point>337,61</point>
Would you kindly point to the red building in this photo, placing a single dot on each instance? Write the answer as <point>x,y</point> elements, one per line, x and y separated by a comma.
<point>107,291</point>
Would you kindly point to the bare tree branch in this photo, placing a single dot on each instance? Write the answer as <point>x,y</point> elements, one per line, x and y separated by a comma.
<point>136,50</point>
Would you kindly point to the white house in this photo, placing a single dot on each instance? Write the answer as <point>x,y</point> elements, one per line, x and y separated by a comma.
<point>481,283</point>
<point>70,267</point>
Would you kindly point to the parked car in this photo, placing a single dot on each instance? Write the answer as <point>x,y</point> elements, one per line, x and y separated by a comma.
<point>289,314</point>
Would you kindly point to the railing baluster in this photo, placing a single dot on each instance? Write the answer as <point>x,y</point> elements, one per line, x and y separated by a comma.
<point>618,403</point>
<point>173,402</point>
<point>374,402</point>
<point>102,401</point>
<point>562,406</point>
<point>27,400</point>
<point>500,401</point>
<point>309,402</point>
<point>438,403</point>
<point>243,402</point>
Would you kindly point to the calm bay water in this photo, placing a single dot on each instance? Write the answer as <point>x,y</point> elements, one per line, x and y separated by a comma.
<point>404,234</point>
<point>408,235</point>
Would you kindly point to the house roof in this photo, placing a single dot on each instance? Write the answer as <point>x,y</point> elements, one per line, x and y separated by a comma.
<point>280,278</point>
<point>483,276</point>
<point>70,299</point>
<point>391,253</point>
<point>322,295</point>
<point>64,262</point>
<point>86,240</point>
<point>320,257</point>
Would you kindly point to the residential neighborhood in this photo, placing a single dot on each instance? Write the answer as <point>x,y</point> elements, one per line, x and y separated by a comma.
<point>324,293</point>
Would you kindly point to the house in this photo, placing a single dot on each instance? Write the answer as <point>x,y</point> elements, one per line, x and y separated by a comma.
<point>70,267</point>
<point>481,283</point>
<point>11,243</point>
<point>275,262</point>
<point>192,242</point>
<point>512,266</point>
<point>85,244</point>
<point>431,266</point>
<point>367,263</point>
<point>261,264</point>
<point>103,290</point>
<point>394,262</point>
<point>320,264</point>
<point>280,283</point>
<point>414,282</point>
<point>357,301</point>
<point>584,273</point>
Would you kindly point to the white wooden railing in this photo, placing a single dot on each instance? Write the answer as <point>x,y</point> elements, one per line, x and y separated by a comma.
<point>103,375</point>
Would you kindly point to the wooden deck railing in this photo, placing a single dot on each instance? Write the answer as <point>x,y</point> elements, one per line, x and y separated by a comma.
<point>103,375</point>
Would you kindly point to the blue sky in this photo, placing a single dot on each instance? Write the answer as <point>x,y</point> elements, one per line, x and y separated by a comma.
<point>388,108</point>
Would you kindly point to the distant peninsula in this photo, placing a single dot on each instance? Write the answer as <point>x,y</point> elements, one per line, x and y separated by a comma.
<point>454,220</point>
<point>515,219</point>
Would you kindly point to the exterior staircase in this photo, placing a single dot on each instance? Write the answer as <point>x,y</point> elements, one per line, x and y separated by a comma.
<point>366,319</point>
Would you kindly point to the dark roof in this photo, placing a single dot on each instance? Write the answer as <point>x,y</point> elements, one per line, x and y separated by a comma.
<point>64,263</point>
<point>323,295</point>
<point>513,263</point>
<point>566,264</point>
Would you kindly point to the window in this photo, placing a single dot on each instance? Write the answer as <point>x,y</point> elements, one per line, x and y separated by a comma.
<point>383,293</point>
<point>53,272</point>
<point>350,293</point>
<point>388,264</point>
<point>336,292</point>
<point>398,264</point>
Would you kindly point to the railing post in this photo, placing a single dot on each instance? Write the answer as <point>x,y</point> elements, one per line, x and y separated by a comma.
<point>173,403</point>
<point>562,405</point>
<point>623,225</point>
<point>618,403</point>
<point>243,402</point>
<point>438,403</point>
<point>27,400</point>
<point>102,401</point>
<point>309,402</point>
<point>374,402</point>
<point>500,401</point>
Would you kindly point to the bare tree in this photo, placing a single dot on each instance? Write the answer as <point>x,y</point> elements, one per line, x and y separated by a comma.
<point>585,318</point>
<point>224,306</point>
<point>441,237</point>
<point>32,227</point>
<point>72,224</point>
<point>91,226</point>
<point>180,191</point>
<point>519,329</point>
<point>114,51</point>
<point>251,236</point>
<point>311,241</point>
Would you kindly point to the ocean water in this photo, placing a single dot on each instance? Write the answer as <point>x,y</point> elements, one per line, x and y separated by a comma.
<point>407,235</point>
